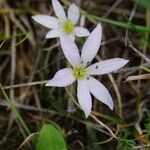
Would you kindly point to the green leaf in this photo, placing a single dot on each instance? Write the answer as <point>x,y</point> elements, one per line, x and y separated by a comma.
<point>145,3</point>
<point>127,25</point>
<point>146,69</point>
<point>50,138</point>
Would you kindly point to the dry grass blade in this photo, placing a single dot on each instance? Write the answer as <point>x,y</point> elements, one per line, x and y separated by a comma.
<point>139,53</point>
<point>26,84</point>
<point>138,77</point>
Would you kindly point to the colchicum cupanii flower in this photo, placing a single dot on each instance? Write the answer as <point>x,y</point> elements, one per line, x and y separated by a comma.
<point>82,71</point>
<point>62,24</point>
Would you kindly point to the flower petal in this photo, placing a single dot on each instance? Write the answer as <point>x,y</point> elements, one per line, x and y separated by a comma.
<point>91,45</point>
<point>106,66</point>
<point>62,78</point>
<point>47,21</point>
<point>53,34</point>
<point>59,10</point>
<point>100,92</point>
<point>70,50</point>
<point>73,13</point>
<point>81,31</point>
<point>84,97</point>
<point>72,37</point>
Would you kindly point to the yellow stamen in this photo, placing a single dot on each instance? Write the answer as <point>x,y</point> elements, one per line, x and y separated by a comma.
<point>79,72</point>
<point>68,27</point>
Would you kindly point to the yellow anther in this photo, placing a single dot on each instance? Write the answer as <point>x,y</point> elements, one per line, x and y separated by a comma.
<point>80,72</point>
<point>68,27</point>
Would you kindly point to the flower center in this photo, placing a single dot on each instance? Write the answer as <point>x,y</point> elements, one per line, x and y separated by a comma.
<point>68,27</point>
<point>79,72</point>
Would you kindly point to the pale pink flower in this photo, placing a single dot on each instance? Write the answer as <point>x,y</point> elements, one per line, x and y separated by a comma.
<point>82,71</point>
<point>62,24</point>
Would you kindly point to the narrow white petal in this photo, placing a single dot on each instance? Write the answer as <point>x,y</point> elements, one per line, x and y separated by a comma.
<point>70,50</point>
<point>62,78</point>
<point>47,21</point>
<point>84,97</point>
<point>72,37</point>
<point>59,10</point>
<point>81,31</point>
<point>106,66</point>
<point>73,13</point>
<point>53,34</point>
<point>100,92</point>
<point>92,44</point>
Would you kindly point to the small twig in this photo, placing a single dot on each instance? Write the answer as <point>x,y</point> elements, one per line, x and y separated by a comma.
<point>2,44</point>
<point>138,52</point>
<point>13,64</point>
<point>103,125</point>
<point>27,139</point>
<point>111,40</point>
<point>137,124</point>
<point>116,3</point>
<point>130,43</point>
<point>29,108</point>
<point>138,77</point>
<point>108,140</point>
<point>114,84</point>
<point>26,84</point>
<point>133,11</point>
<point>4,64</point>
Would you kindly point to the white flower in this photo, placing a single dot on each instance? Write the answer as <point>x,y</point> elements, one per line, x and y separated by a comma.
<point>82,72</point>
<point>62,24</point>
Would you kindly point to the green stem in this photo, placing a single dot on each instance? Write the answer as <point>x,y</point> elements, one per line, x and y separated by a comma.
<point>144,68</point>
<point>15,110</point>
<point>127,25</point>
